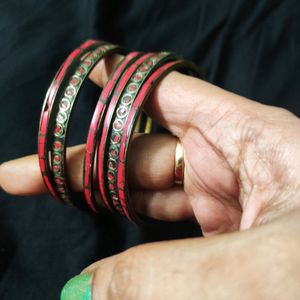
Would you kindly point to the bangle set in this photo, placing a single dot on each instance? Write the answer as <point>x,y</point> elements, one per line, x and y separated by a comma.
<point>116,116</point>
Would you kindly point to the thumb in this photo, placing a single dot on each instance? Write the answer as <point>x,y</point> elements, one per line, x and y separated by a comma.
<point>160,270</point>
<point>137,274</point>
<point>223,267</point>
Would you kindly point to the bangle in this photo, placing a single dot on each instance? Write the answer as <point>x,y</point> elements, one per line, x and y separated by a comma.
<point>61,119</point>
<point>96,127</point>
<point>118,113</point>
<point>122,191</point>
<point>43,141</point>
<point>117,124</point>
<point>102,156</point>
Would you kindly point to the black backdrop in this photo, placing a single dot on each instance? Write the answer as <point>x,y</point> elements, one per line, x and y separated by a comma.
<point>248,47</point>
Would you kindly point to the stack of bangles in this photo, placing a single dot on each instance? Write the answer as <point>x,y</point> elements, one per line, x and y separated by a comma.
<point>115,118</point>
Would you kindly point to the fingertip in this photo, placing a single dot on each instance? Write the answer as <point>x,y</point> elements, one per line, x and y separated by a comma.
<point>2,168</point>
<point>21,176</point>
<point>78,287</point>
<point>6,177</point>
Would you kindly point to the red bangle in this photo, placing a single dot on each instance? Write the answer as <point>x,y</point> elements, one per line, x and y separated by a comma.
<point>129,121</point>
<point>43,155</point>
<point>106,127</point>
<point>62,117</point>
<point>114,120</point>
<point>96,127</point>
<point>117,122</point>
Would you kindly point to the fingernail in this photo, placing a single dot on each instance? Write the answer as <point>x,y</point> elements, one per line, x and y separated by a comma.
<point>78,288</point>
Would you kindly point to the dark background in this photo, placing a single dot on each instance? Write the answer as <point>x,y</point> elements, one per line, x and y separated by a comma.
<point>248,47</point>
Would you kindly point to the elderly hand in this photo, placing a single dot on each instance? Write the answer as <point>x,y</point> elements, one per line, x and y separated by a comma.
<point>242,169</point>
<point>242,158</point>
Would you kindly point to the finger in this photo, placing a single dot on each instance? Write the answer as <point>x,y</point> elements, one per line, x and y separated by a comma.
<point>168,106</point>
<point>150,165</point>
<point>193,268</point>
<point>180,101</point>
<point>103,69</point>
<point>167,205</point>
<point>22,176</point>
<point>137,273</point>
<point>216,215</point>
<point>151,161</point>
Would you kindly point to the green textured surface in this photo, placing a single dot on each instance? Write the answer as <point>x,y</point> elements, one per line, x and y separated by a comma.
<point>78,288</point>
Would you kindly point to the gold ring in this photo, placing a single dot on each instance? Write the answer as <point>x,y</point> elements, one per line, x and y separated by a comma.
<point>179,165</point>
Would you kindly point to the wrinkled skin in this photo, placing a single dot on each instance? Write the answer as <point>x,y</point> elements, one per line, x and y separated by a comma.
<point>242,169</point>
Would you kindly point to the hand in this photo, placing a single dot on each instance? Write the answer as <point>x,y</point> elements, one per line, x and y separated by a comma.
<point>242,169</point>
<point>261,263</point>
<point>242,158</point>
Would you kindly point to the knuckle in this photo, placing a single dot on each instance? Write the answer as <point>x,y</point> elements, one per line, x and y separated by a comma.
<point>124,281</point>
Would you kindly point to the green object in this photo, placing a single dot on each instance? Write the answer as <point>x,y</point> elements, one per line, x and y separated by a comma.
<point>78,288</point>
